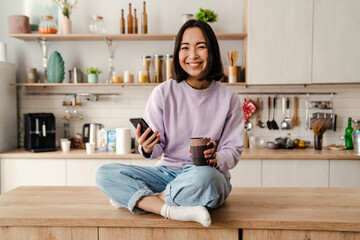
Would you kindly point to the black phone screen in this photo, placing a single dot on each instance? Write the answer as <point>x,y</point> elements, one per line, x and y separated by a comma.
<point>144,126</point>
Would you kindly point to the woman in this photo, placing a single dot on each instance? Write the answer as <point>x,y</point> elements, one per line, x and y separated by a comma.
<point>193,104</point>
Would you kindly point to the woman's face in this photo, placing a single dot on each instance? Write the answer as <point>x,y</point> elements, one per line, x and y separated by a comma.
<point>193,52</point>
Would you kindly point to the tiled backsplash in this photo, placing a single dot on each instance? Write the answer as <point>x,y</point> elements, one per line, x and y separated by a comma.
<point>115,111</point>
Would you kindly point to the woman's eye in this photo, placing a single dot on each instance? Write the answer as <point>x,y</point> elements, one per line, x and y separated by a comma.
<point>202,47</point>
<point>184,48</point>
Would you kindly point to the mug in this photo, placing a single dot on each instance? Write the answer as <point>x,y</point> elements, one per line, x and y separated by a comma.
<point>198,146</point>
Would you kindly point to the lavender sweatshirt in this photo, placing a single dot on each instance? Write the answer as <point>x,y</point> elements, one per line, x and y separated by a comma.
<point>180,112</point>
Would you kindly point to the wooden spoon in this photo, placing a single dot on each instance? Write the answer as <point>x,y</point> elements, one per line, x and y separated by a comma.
<point>229,58</point>
<point>295,119</point>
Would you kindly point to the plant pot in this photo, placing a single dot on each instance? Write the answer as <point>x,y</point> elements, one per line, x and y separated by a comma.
<point>93,78</point>
<point>66,27</point>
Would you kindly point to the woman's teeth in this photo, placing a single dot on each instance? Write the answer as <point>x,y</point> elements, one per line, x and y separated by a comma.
<point>194,64</point>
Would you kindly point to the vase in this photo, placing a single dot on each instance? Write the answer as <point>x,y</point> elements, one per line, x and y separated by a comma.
<point>66,26</point>
<point>92,78</point>
<point>318,142</point>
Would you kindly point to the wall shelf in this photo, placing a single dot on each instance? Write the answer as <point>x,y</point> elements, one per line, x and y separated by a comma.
<point>115,37</point>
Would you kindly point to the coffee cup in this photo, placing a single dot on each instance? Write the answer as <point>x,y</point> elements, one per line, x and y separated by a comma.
<point>65,146</point>
<point>198,145</point>
<point>90,148</point>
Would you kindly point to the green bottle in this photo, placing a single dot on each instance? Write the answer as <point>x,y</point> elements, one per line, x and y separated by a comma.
<point>348,135</point>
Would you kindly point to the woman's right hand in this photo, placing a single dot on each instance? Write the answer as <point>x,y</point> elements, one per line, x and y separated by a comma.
<point>147,144</point>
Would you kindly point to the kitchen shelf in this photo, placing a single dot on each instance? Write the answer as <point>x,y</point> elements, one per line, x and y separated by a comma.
<point>115,37</point>
<point>98,84</point>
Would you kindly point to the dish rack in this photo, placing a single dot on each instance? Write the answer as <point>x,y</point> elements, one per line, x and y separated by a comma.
<point>320,110</point>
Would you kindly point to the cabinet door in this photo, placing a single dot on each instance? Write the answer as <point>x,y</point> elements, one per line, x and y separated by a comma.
<point>279,41</point>
<point>295,173</point>
<point>247,173</point>
<point>81,172</point>
<point>336,41</point>
<point>32,172</point>
<point>345,173</point>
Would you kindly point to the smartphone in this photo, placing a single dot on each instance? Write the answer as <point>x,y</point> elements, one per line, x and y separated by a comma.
<point>144,126</point>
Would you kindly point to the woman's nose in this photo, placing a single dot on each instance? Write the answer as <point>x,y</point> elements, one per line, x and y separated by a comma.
<point>193,54</point>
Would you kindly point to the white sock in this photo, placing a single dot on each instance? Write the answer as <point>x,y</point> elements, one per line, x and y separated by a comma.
<point>115,204</point>
<point>197,214</point>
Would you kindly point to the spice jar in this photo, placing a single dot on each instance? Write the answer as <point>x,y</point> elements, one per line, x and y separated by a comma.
<point>169,63</point>
<point>97,25</point>
<point>158,62</point>
<point>47,25</point>
<point>146,60</point>
<point>143,76</point>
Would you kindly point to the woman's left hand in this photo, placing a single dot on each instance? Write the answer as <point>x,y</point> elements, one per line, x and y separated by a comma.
<point>211,151</point>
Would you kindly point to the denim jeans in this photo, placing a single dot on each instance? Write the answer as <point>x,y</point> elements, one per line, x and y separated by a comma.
<point>191,186</point>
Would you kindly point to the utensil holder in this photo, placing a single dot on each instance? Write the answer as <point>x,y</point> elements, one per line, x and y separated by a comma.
<point>232,70</point>
<point>318,142</point>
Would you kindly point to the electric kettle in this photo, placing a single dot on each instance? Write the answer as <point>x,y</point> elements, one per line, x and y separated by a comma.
<point>90,133</point>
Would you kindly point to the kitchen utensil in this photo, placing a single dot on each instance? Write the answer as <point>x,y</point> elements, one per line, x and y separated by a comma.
<point>260,123</point>
<point>295,119</point>
<point>248,126</point>
<point>273,145</point>
<point>268,123</point>
<point>288,119</point>
<point>229,58</point>
<point>257,112</point>
<point>273,123</point>
<point>284,125</point>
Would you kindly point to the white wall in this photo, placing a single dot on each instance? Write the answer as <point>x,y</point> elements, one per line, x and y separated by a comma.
<point>164,17</point>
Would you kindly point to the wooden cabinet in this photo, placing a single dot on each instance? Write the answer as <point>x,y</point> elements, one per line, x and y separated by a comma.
<point>247,173</point>
<point>279,41</point>
<point>32,172</point>
<point>336,51</point>
<point>344,173</point>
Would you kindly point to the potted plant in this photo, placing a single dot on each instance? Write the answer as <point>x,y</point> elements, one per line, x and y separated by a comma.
<point>66,8</point>
<point>93,74</point>
<point>206,15</point>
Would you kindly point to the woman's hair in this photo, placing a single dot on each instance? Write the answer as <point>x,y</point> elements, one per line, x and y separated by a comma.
<point>214,69</point>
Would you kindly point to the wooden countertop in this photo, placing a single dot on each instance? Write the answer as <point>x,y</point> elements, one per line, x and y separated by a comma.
<point>330,209</point>
<point>306,154</point>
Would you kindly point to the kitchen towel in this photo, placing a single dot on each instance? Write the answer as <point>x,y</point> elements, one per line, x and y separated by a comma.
<point>3,55</point>
<point>123,140</point>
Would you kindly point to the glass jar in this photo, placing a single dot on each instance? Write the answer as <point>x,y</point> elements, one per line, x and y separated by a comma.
<point>356,129</point>
<point>47,25</point>
<point>169,63</point>
<point>158,62</point>
<point>97,25</point>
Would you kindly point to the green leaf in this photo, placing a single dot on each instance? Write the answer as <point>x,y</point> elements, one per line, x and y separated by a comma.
<point>55,71</point>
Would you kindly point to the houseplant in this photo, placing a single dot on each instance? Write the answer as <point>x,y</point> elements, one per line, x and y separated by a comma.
<point>66,8</point>
<point>93,74</point>
<point>206,15</point>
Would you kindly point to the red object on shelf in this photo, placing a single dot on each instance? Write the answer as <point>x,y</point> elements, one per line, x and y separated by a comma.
<point>249,108</point>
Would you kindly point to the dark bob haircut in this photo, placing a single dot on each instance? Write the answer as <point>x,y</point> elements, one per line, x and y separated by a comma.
<point>214,69</point>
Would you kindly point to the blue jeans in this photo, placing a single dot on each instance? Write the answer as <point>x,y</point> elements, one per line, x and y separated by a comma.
<point>191,186</point>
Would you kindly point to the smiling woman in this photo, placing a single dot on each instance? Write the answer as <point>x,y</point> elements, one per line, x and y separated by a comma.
<point>194,104</point>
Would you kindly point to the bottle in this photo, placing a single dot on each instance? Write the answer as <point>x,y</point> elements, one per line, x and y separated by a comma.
<point>130,21</point>
<point>144,25</point>
<point>135,22</point>
<point>122,22</point>
<point>348,135</point>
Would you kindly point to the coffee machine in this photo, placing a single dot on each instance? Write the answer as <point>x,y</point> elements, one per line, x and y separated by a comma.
<point>40,132</point>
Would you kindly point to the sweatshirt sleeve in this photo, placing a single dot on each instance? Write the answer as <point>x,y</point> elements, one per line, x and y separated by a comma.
<point>154,117</point>
<point>231,143</point>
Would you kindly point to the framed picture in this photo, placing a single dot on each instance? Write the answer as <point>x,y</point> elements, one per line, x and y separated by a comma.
<point>34,9</point>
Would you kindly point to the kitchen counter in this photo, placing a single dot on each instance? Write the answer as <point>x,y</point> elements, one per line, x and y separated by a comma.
<point>281,213</point>
<point>286,154</point>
